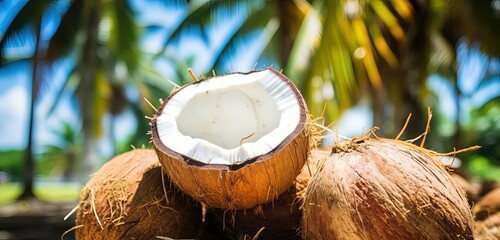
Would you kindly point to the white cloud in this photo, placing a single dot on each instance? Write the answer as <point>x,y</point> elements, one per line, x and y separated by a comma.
<point>13,117</point>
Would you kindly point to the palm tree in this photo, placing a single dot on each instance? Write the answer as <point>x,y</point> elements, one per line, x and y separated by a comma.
<point>30,16</point>
<point>107,63</point>
<point>61,158</point>
<point>101,39</point>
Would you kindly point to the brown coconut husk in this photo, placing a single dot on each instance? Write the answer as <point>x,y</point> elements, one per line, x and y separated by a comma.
<point>488,205</point>
<point>256,181</point>
<point>131,198</point>
<point>376,188</point>
<point>488,186</point>
<point>280,219</point>
<point>488,229</point>
<point>471,191</point>
<point>384,189</point>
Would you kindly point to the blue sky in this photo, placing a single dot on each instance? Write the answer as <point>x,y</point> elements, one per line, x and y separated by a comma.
<point>14,81</point>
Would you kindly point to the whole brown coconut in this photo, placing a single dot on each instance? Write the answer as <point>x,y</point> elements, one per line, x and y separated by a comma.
<point>280,219</point>
<point>487,205</point>
<point>488,186</point>
<point>488,229</point>
<point>384,189</point>
<point>233,141</point>
<point>129,198</point>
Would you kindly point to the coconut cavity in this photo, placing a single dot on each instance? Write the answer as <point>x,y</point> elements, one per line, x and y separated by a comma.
<point>230,116</point>
<point>233,141</point>
<point>384,189</point>
<point>130,198</point>
<point>229,119</point>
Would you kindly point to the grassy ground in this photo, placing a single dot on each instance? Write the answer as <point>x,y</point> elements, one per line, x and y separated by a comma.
<point>52,192</point>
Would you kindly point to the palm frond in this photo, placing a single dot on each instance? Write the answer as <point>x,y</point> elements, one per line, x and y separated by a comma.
<point>71,80</point>
<point>17,61</point>
<point>442,58</point>
<point>388,18</point>
<point>200,15</point>
<point>62,43</point>
<point>100,102</point>
<point>16,33</point>
<point>479,21</point>
<point>363,38</point>
<point>352,39</point>
<point>124,36</point>
<point>403,9</point>
<point>290,14</point>
<point>382,46</point>
<point>331,67</point>
<point>257,20</point>
<point>307,40</point>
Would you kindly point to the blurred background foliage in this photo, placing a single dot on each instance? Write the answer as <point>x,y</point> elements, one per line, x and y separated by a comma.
<point>394,57</point>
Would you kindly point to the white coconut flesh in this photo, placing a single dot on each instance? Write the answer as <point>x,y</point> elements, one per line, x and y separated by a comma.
<point>230,119</point>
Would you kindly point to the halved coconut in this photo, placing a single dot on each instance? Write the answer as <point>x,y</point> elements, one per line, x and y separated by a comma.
<point>233,141</point>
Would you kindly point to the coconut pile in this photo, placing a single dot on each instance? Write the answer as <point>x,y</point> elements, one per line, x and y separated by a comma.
<point>237,157</point>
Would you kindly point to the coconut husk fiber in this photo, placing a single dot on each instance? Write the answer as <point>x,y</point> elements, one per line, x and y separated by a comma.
<point>131,198</point>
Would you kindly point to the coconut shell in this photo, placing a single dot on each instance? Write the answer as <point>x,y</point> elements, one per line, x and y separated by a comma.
<point>281,219</point>
<point>126,199</point>
<point>256,181</point>
<point>247,187</point>
<point>487,205</point>
<point>384,189</point>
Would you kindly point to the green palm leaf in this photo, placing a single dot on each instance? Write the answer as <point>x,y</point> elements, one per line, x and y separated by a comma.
<point>257,20</point>
<point>345,50</point>
<point>16,32</point>
<point>69,84</point>
<point>124,36</point>
<point>200,15</point>
<point>62,43</point>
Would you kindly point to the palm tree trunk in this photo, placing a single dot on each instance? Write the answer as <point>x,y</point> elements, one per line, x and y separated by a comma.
<point>457,137</point>
<point>29,165</point>
<point>287,30</point>
<point>89,159</point>
<point>112,131</point>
